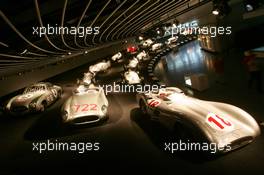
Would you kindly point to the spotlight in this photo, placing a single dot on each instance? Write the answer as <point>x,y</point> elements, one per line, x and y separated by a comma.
<point>215,12</point>
<point>221,8</point>
<point>24,52</point>
<point>251,5</point>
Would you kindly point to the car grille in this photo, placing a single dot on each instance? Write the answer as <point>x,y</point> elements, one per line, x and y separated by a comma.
<point>19,109</point>
<point>86,119</point>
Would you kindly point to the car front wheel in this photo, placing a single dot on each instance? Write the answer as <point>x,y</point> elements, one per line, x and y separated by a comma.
<point>143,107</point>
<point>43,106</point>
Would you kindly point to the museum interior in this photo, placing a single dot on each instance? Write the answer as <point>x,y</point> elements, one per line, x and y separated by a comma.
<point>124,86</point>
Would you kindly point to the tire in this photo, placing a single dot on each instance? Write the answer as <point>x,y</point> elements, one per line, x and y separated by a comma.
<point>59,94</point>
<point>44,106</point>
<point>143,107</point>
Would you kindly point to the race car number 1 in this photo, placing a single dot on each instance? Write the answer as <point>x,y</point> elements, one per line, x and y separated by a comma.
<point>154,103</point>
<point>218,122</point>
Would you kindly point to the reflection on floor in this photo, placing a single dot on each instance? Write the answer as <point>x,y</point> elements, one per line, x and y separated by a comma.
<point>226,74</point>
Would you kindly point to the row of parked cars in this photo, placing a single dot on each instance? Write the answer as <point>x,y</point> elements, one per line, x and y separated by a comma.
<point>223,124</point>
<point>37,97</point>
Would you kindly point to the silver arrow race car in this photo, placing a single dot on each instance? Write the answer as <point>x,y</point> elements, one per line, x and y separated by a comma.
<point>223,124</point>
<point>35,98</point>
<point>100,67</point>
<point>131,77</point>
<point>87,105</point>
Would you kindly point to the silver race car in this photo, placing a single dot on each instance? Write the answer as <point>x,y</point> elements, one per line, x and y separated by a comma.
<point>142,56</point>
<point>87,105</point>
<point>36,97</point>
<point>172,40</point>
<point>147,43</point>
<point>99,67</point>
<point>117,56</point>
<point>88,77</point>
<point>156,46</point>
<point>223,124</point>
<point>133,63</point>
<point>132,77</point>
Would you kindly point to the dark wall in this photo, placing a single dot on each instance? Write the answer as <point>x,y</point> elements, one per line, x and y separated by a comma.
<point>246,33</point>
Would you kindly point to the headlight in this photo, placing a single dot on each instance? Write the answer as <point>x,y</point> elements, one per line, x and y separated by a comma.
<point>64,115</point>
<point>33,105</point>
<point>104,108</point>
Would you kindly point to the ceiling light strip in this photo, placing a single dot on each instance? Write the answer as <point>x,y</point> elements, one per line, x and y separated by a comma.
<point>120,5</point>
<point>125,30</point>
<point>101,36</point>
<point>21,35</point>
<point>95,19</point>
<point>136,16</point>
<point>79,23</point>
<point>126,19</point>
<point>200,3</point>
<point>156,15</point>
<point>62,24</point>
<point>4,44</point>
<point>17,56</point>
<point>41,25</point>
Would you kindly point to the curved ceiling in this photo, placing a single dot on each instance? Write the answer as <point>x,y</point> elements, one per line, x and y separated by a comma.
<point>116,20</point>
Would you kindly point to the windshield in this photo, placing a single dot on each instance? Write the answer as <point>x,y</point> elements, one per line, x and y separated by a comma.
<point>170,94</point>
<point>85,89</point>
<point>34,89</point>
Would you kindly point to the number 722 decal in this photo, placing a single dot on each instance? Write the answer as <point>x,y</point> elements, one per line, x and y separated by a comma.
<point>85,107</point>
<point>219,123</point>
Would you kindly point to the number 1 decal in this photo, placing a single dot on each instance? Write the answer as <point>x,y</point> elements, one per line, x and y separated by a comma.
<point>219,123</point>
<point>154,103</point>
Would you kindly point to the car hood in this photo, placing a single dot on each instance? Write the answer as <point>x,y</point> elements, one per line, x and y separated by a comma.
<point>26,99</point>
<point>236,122</point>
<point>132,78</point>
<point>84,102</point>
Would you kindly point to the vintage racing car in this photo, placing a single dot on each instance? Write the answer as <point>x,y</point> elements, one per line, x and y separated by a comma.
<point>223,124</point>
<point>172,40</point>
<point>156,46</point>
<point>35,98</point>
<point>99,67</point>
<point>117,56</point>
<point>88,104</point>
<point>133,63</point>
<point>142,56</point>
<point>88,77</point>
<point>147,43</point>
<point>132,77</point>
<point>132,49</point>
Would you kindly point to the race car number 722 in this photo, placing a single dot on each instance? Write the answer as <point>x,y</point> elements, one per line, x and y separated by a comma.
<point>85,107</point>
